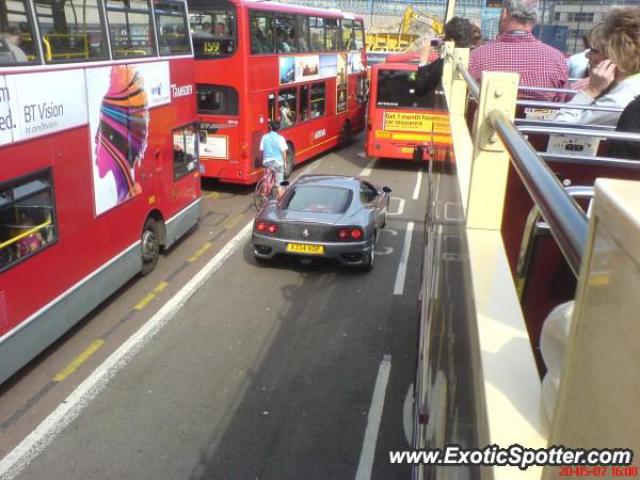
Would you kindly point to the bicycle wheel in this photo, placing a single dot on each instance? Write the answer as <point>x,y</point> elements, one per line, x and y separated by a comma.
<point>259,196</point>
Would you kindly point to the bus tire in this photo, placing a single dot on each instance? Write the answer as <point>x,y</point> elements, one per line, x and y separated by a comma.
<point>150,246</point>
<point>346,135</point>
<point>289,161</point>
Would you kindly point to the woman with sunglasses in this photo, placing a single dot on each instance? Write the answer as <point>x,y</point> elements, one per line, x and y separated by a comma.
<point>614,76</point>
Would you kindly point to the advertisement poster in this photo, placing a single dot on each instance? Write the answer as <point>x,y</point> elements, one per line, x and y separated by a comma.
<point>216,146</point>
<point>307,68</point>
<point>328,66</point>
<point>32,105</point>
<point>119,102</point>
<point>341,83</point>
<point>287,70</point>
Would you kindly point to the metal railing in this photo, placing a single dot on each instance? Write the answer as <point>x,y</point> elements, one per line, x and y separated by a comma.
<point>581,132</point>
<point>474,88</point>
<point>566,219</point>
<point>567,106</point>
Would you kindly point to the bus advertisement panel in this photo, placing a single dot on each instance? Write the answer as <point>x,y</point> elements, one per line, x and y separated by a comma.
<point>402,125</point>
<point>98,161</point>
<point>257,62</point>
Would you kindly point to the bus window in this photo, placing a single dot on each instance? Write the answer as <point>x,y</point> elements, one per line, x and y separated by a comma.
<point>217,100</point>
<point>16,34</point>
<point>361,89</point>
<point>287,104</point>
<point>171,23</point>
<point>331,34</point>
<point>348,35</point>
<point>302,30</point>
<point>396,88</point>
<point>71,30</point>
<point>286,38</point>
<point>130,28</point>
<point>261,32</point>
<point>358,29</point>
<point>213,31</point>
<point>185,160</point>
<point>304,103</point>
<point>27,220</point>
<point>316,34</point>
<point>317,100</point>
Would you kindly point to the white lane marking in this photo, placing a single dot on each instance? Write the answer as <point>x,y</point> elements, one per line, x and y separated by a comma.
<point>392,231</point>
<point>401,203</point>
<point>368,169</point>
<point>407,415</point>
<point>416,191</point>
<point>362,155</point>
<point>40,438</point>
<point>402,268</point>
<point>367,454</point>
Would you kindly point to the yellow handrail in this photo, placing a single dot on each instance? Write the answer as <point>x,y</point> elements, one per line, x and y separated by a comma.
<point>31,231</point>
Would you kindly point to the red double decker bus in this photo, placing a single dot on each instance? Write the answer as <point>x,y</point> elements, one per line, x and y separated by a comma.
<point>400,124</point>
<point>98,157</point>
<point>262,61</point>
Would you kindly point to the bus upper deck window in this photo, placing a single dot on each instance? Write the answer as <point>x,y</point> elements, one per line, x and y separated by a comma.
<point>171,23</point>
<point>302,30</point>
<point>286,34</point>
<point>71,31</point>
<point>348,35</point>
<point>359,35</point>
<point>316,34</point>
<point>262,33</point>
<point>213,31</point>
<point>130,27</point>
<point>331,34</point>
<point>17,45</point>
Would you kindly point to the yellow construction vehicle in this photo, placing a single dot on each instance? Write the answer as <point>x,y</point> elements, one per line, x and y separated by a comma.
<point>402,40</point>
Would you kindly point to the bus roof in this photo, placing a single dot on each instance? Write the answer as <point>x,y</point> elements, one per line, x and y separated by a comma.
<point>289,8</point>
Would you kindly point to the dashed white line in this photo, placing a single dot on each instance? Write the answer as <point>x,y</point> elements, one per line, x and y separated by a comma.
<point>20,457</point>
<point>404,259</point>
<point>367,454</point>
<point>416,191</point>
<point>401,204</point>
<point>368,169</point>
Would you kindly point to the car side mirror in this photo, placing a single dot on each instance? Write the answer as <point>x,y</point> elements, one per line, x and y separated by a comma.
<point>386,189</point>
<point>284,183</point>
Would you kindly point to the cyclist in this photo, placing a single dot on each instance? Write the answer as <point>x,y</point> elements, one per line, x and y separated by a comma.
<point>274,151</point>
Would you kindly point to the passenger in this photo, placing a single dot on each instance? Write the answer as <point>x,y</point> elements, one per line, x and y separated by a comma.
<point>629,122</point>
<point>458,30</point>
<point>614,78</point>
<point>12,36</point>
<point>32,242</point>
<point>476,36</point>
<point>517,50</point>
<point>281,42</point>
<point>286,115</point>
<point>578,63</point>
<point>274,151</point>
<point>220,30</point>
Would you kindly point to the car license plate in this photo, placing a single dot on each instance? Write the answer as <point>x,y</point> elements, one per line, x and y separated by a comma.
<point>305,249</point>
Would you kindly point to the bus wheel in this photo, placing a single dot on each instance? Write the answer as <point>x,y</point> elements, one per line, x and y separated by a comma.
<point>346,135</point>
<point>288,168</point>
<point>150,242</point>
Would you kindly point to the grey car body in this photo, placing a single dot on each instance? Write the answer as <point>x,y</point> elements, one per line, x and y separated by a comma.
<point>365,209</point>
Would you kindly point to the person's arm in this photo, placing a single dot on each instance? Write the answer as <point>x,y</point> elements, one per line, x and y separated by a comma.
<point>429,77</point>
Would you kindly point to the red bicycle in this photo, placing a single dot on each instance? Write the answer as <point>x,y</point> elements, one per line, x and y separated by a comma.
<point>266,188</point>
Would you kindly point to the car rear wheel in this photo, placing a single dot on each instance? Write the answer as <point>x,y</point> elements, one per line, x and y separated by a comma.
<point>370,257</point>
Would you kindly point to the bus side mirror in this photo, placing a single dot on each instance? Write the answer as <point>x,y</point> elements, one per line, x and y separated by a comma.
<point>284,183</point>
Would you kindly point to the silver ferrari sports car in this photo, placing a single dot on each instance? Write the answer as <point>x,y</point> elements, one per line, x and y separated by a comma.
<point>323,216</point>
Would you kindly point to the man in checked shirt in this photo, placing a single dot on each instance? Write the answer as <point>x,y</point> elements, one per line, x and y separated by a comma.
<point>517,50</point>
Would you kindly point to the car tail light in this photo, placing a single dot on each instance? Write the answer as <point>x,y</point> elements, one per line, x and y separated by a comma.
<point>261,226</point>
<point>272,228</point>
<point>350,233</point>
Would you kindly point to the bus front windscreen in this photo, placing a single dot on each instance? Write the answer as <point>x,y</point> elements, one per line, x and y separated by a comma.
<point>396,89</point>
